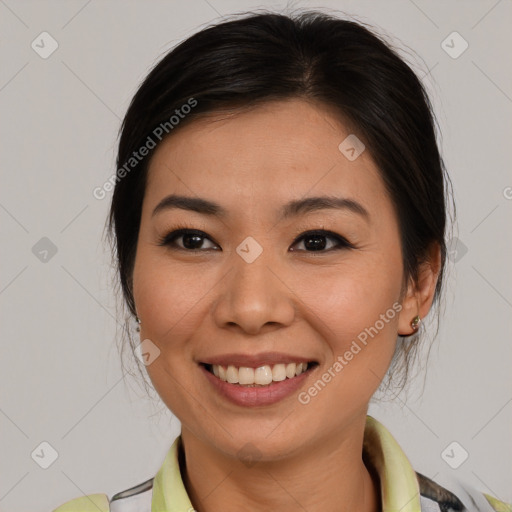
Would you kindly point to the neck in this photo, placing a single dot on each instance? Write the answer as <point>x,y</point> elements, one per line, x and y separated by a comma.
<point>327,477</point>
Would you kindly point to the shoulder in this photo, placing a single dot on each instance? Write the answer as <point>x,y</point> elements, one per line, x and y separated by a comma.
<point>135,498</point>
<point>90,503</point>
<point>461,498</point>
<point>433,498</point>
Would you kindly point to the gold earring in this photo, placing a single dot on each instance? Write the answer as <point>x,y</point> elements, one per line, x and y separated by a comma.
<point>415,324</point>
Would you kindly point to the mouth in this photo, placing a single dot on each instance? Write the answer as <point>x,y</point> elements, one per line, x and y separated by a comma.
<point>253,383</point>
<point>261,376</point>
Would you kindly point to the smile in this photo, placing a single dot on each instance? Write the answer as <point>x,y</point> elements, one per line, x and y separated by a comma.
<point>254,383</point>
<point>262,376</point>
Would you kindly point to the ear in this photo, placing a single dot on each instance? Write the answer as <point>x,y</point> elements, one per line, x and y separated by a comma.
<point>420,295</point>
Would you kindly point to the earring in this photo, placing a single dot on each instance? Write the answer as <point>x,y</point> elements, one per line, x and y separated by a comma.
<point>415,324</point>
<point>138,323</point>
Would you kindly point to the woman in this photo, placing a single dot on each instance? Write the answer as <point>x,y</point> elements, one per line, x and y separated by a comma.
<point>279,220</point>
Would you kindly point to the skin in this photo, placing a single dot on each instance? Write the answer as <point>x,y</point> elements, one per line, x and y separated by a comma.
<point>194,305</point>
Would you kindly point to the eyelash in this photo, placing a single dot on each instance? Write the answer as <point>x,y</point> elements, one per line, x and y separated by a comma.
<point>180,230</point>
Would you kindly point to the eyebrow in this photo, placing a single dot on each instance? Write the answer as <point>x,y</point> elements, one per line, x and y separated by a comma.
<point>293,208</point>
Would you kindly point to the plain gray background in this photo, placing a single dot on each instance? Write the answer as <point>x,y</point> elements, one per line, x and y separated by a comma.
<point>60,374</point>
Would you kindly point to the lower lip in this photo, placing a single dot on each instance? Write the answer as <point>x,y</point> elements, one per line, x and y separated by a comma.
<point>258,395</point>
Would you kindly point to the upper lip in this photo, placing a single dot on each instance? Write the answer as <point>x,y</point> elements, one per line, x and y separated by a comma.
<point>256,360</point>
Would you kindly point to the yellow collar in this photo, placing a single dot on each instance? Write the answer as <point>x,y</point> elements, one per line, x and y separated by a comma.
<point>398,482</point>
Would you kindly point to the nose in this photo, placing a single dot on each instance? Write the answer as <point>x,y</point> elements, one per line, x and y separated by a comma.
<point>254,297</point>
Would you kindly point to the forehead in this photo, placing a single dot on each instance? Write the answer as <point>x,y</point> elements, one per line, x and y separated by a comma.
<point>263,157</point>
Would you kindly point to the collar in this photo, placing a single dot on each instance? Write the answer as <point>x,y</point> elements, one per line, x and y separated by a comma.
<point>398,481</point>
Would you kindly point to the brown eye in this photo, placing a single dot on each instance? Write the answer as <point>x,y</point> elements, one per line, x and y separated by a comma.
<point>191,240</point>
<point>315,241</point>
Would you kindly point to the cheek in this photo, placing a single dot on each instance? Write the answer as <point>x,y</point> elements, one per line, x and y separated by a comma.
<point>166,294</point>
<point>168,301</point>
<point>350,299</point>
<point>357,313</point>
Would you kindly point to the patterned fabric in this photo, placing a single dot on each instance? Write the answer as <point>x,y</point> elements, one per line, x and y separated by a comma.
<point>402,489</point>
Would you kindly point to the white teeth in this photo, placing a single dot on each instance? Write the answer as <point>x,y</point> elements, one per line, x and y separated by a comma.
<point>245,375</point>
<point>232,375</point>
<point>278,373</point>
<point>261,376</point>
<point>290,370</point>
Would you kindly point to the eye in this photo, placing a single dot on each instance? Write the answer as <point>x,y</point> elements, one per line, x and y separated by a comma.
<point>191,240</point>
<point>315,241</point>
<point>186,239</point>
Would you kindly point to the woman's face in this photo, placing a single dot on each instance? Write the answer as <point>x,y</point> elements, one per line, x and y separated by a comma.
<point>251,292</point>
